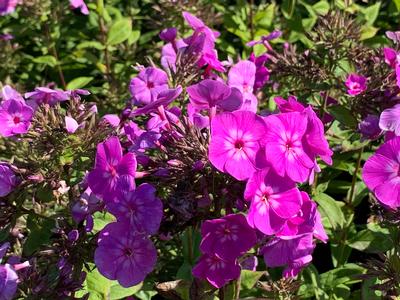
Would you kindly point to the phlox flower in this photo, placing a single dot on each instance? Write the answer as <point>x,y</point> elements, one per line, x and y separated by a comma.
<point>71,125</point>
<point>168,34</point>
<point>369,128</point>
<point>294,253</point>
<point>44,95</point>
<point>140,208</point>
<point>289,105</point>
<point>235,140</point>
<point>112,170</point>
<point>15,118</point>
<point>264,40</point>
<point>392,58</point>
<point>169,53</point>
<point>389,119</point>
<point>262,73</point>
<point>381,173</point>
<point>216,270</point>
<point>87,204</point>
<point>196,118</point>
<point>79,4</point>
<point>242,76</point>
<point>112,119</point>
<point>124,255</point>
<point>8,179</point>
<point>274,200</point>
<point>356,84</point>
<point>8,6</point>
<point>211,93</point>
<point>8,93</point>
<point>228,237</point>
<point>147,85</point>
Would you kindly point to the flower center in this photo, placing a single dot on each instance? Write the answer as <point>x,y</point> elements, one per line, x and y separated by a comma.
<point>289,145</point>
<point>239,144</point>
<point>112,171</point>
<point>265,198</point>
<point>16,120</point>
<point>128,252</point>
<point>150,85</point>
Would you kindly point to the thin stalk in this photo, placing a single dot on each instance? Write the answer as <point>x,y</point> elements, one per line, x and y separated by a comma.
<point>237,287</point>
<point>353,183</point>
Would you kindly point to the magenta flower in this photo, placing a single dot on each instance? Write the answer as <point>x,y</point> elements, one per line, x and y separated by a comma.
<point>168,34</point>
<point>44,95</point>
<point>235,140</point>
<point>381,173</point>
<point>199,27</point>
<point>79,4</point>
<point>71,125</point>
<point>147,85</point>
<point>307,221</point>
<point>196,118</point>
<point>284,147</point>
<point>8,179</point>
<point>8,93</point>
<point>294,253</point>
<point>274,200</point>
<point>15,118</point>
<point>228,237</point>
<point>124,255</point>
<point>289,105</point>
<point>264,40</point>
<point>140,208</point>
<point>8,6</point>
<point>211,93</point>
<point>390,119</point>
<point>112,170</point>
<point>369,128</point>
<point>169,53</point>
<point>262,73</point>
<point>356,84</point>
<point>392,58</point>
<point>216,270</point>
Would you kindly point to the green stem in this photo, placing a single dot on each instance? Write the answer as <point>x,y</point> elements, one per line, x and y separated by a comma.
<point>354,181</point>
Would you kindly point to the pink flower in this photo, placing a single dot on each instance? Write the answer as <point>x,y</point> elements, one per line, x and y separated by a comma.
<point>8,6</point>
<point>381,173</point>
<point>168,34</point>
<point>216,270</point>
<point>147,85</point>
<point>235,140</point>
<point>392,58</point>
<point>390,119</point>
<point>242,76</point>
<point>71,125</point>
<point>44,95</point>
<point>284,148</point>
<point>15,118</point>
<point>274,200</point>
<point>289,105</point>
<point>8,93</point>
<point>262,73</point>
<point>228,237</point>
<point>79,4</point>
<point>356,84</point>
<point>8,180</point>
<point>112,170</point>
<point>264,40</point>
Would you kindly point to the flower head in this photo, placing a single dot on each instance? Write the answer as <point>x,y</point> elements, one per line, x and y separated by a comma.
<point>8,93</point>
<point>235,140</point>
<point>274,200</point>
<point>369,127</point>
<point>228,237</point>
<point>124,254</point>
<point>44,95</point>
<point>356,84</point>
<point>79,4</point>
<point>168,34</point>
<point>262,73</point>
<point>87,204</point>
<point>147,85</point>
<point>390,119</point>
<point>8,6</point>
<point>15,118</point>
<point>381,173</point>
<point>216,270</point>
<point>140,208</point>
<point>112,170</point>
<point>8,179</point>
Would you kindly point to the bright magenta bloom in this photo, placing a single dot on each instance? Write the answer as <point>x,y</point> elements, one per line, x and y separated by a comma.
<point>15,117</point>
<point>381,173</point>
<point>79,4</point>
<point>274,200</point>
<point>356,84</point>
<point>8,179</point>
<point>112,170</point>
<point>390,119</point>
<point>8,6</point>
<point>228,237</point>
<point>44,95</point>
<point>235,140</point>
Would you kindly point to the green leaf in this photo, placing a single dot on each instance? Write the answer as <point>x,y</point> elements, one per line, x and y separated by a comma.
<point>119,292</point>
<point>40,233</point>
<point>90,44</point>
<point>101,220</point>
<point>287,8</point>
<point>119,32</point>
<point>370,241</point>
<point>79,82</point>
<point>397,4</point>
<point>331,209</point>
<point>368,32</point>
<point>343,115</point>
<point>321,7</point>
<point>371,13</point>
<point>134,37</point>
<point>248,279</point>
<point>46,60</point>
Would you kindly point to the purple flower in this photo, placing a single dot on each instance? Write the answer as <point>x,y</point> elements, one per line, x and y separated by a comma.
<point>8,180</point>
<point>392,58</point>
<point>216,270</point>
<point>169,53</point>
<point>8,6</point>
<point>289,105</point>
<point>390,119</point>
<point>71,125</point>
<point>79,4</point>
<point>8,282</point>
<point>87,204</point>
<point>140,208</point>
<point>293,253</point>
<point>8,93</point>
<point>356,84</point>
<point>274,200</point>
<point>264,40</point>
<point>44,95</point>
<point>235,140</point>
<point>369,128</point>
<point>249,263</point>
<point>196,118</point>
<point>211,93</point>
<point>15,118</point>
<point>381,173</point>
<point>6,37</point>
<point>112,170</point>
<point>242,76</point>
<point>147,85</point>
<point>168,34</point>
<point>112,120</point>
<point>124,255</point>
<point>162,100</point>
<point>262,73</point>
<point>228,237</point>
